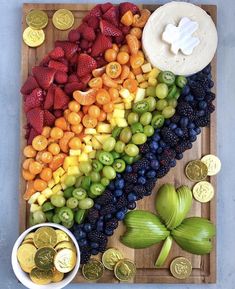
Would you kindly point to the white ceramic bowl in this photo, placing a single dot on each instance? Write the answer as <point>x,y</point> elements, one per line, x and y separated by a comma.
<point>24,277</point>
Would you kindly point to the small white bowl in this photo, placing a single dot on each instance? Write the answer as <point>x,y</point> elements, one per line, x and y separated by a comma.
<point>24,277</point>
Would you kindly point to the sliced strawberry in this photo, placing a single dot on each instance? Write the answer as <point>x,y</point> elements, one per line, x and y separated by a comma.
<point>49,100</point>
<point>31,135</point>
<point>35,118</point>
<point>58,66</point>
<point>29,85</point>
<point>100,45</point>
<point>71,87</point>
<point>68,47</point>
<point>96,11</point>
<point>34,99</point>
<point>106,6</point>
<point>93,22</point>
<point>125,6</point>
<point>58,113</point>
<point>109,29</point>
<point>57,53</point>
<point>61,99</point>
<point>44,62</point>
<point>84,44</point>
<point>112,15</point>
<point>61,77</point>
<point>49,118</point>
<point>86,64</point>
<point>44,76</point>
<point>86,78</point>
<point>88,33</point>
<point>74,59</point>
<point>74,35</point>
<point>72,78</point>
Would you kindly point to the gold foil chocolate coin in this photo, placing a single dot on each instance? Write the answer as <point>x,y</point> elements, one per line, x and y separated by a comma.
<point>37,19</point>
<point>29,236</point>
<point>63,19</point>
<point>41,277</point>
<point>44,258</point>
<point>65,245</point>
<point>203,192</point>
<point>61,236</point>
<point>181,268</point>
<point>44,237</point>
<point>65,260</point>
<point>125,270</point>
<point>57,276</point>
<point>196,171</point>
<point>25,255</point>
<point>93,270</point>
<point>33,38</point>
<point>213,164</point>
<point>111,257</point>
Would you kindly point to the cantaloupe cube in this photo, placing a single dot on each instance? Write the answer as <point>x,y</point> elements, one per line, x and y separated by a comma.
<point>146,67</point>
<point>140,78</point>
<point>104,127</point>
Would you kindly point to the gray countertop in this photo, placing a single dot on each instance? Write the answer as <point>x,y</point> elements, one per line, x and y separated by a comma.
<point>10,35</point>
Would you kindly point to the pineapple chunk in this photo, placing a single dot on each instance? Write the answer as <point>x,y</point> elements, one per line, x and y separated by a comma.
<point>104,127</point>
<point>124,93</point>
<point>118,113</point>
<point>152,81</point>
<point>121,122</point>
<point>87,139</point>
<point>56,188</point>
<point>74,170</point>
<point>140,78</point>
<point>96,144</point>
<point>62,179</point>
<point>113,122</point>
<point>75,152</point>
<point>128,105</point>
<point>144,84</point>
<point>119,106</point>
<point>41,200</point>
<point>88,149</point>
<point>90,131</point>
<point>70,161</point>
<point>33,198</point>
<point>140,94</point>
<point>83,157</point>
<point>47,193</point>
<point>92,154</point>
<point>34,208</point>
<point>146,67</point>
<point>154,73</point>
<point>102,137</point>
<point>63,186</point>
<point>109,116</point>
<point>51,184</point>
<point>60,193</point>
<point>57,174</point>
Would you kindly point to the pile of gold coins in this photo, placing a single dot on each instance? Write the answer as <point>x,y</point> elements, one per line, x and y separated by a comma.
<point>47,255</point>
<point>37,20</point>
<point>112,259</point>
<point>198,171</point>
<point>181,268</point>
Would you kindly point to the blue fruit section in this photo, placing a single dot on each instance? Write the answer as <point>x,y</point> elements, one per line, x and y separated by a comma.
<point>158,156</point>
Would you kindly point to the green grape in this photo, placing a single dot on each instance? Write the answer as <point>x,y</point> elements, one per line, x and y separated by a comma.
<point>127,159</point>
<point>161,90</point>
<point>131,150</point>
<point>151,103</point>
<point>146,118</point>
<point>172,102</point>
<point>85,167</point>
<point>70,181</point>
<point>109,172</point>
<point>86,204</point>
<point>95,177</point>
<point>151,91</point>
<point>86,183</point>
<point>72,203</point>
<point>168,111</point>
<point>58,201</point>
<point>119,147</point>
<point>161,104</point>
<point>137,127</point>
<point>39,217</point>
<point>109,144</point>
<point>139,138</point>
<point>56,219</point>
<point>79,181</point>
<point>105,182</point>
<point>148,130</point>
<point>132,117</point>
<point>126,135</point>
<point>115,155</point>
<point>68,192</point>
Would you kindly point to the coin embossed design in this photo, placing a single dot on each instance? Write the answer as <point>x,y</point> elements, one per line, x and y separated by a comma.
<point>37,19</point>
<point>111,257</point>
<point>63,19</point>
<point>32,37</point>
<point>41,277</point>
<point>125,270</point>
<point>203,192</point>
<point>25,255</point>
<point>213,164</point>
<point>196,171</point>
<point>44,237</point>
<point>44,258</point>
<point>181,268</point>
<point>65,260</point>
<point>93,270</point>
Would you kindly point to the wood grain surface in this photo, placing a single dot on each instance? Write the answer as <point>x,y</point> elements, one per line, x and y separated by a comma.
<point>204,267</point>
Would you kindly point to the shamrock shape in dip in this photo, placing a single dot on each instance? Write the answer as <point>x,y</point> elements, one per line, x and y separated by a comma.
<point>181,37</point>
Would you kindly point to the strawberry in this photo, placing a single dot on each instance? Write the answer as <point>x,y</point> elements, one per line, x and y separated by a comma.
<point>86,64</point>
<point>126,6</point>
<point>86,78</point>
<point>44,76</point>
<point>74,59</point>
<point>84,44</point>
<point>88,33</point>
<point>34,99</point>
<point>74,35</point>
<point>29,85</point>
<point>61,99</point>
<point>31,135</point>
<point>96,11</point>
<point>56,53</point>
<point>119,39</point>
<point>58,113</point>
<point>101,62</point>
<point>68,47</point>
<point>100,45</point>
<point>93,22</point>
<point>58,66</point>
<point>125,29</point>
<point>71,87</point>
<point>44,62</point>
<point>112,15</point>
<point>49,100</point>
<point>61,77</point>
<point>49,118</point>
<point>106,6</point>
<point>35,118</point>
<point>72,78</point>
<point>109,29</point>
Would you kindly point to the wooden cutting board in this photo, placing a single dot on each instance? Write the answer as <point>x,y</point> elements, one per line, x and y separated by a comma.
<point>204,268</point>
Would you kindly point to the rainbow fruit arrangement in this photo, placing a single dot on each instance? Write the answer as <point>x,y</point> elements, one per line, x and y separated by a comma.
<point>104,124</point>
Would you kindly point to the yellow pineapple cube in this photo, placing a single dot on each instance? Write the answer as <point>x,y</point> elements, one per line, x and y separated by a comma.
<point>102,137</point>
<point>91,131</point>
<point>62,179</point>
<point>144,84</point>
<point>119,106</point>
<point>88,149</point>
<point>63,186</point>
<point>56,188</point>
<point>75,152</point>
<point>118,113</point>
<point>152,81</point>
<point>128,105</point>
<point>146,67</point>
<point>83,157</point>
<point>140,78</point>
<point>92,154</point>
<point>47,193</point>
<point>96,144</point>
<point>113,122</point>
<point>154,73</point>
<point>140,94</point>
<point>70,161</point>
<point>87,139</point>
<point>124,93</point>
<point>33,198</point>
<point>51,183</point>
<point>104,127</point>
<point>41,200</point>
<point>34,208</point>
<point>121,122</point>
<point>60,193</point>
<point>74,171</point>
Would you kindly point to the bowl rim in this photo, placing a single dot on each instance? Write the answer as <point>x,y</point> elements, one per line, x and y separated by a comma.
<point>21,275</point>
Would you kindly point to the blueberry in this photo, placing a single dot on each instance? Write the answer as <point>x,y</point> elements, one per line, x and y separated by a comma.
<point>94,245</point>
<point>179,156</point>
<point>111,186</point>
<point>131,206</point>
<point>193,138</point>
<point>154,164</point>
<point>128,169</point>
<point>201,112</point>
<point>151,174</point>
<point>87,227</point>
<point>179,132</point>
<point>120,215</point>
<point>131,197</point>
<point>159,150</point>
<point>184,122</point>
<point>192,133</point>
<point>162,144</point>
<point>156,137</point>
<point>119,184</point>
<point>82,242</point>
<point>207,69</point>
<point>154,145</point>
<point>100,227</point>
<point>150,156</point>
<point>94,252</point>
<point>107,217</point>
<point>141,180</point>
<point>198,130</point>
<point>118,176</point>
<point>77,235</point>
<point>173,163</point>
<point>191,125</point>
<point>173,126</point>
<point>97,206</point>
<point>185,90</point>
<point>211,84</point>
<point>141,172</point>
<point>202,104</point>
<point>189,98</point>
<point>118,193</point>
<point>108,232</point>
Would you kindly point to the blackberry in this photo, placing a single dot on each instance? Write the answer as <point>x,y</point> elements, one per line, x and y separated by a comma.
<point>166,157</point>
<point>175,118</point>
<point>182,147</point>
<point>202,121</point>
<point>85,254</point>
<point>144,148</point>
<point>139,190</point>
<point>185,134</point>
<point>150,185</point>
<point>107,209</point>
<point>97,237</point>
<point>143,163</point>
<point>211,107</point>
<point>197,90</point>
<point>93,216</point>
<point>121,202</point>
<point>204,81</point>
<point>162,171</point>
<point>184,109</point>
<point>106,198</point>
<point>112,224</point>
<point>103,246</point>
<point>169,136</point>
<point>131,178</point>
<point>128,188</point>
<point>210,96</point>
